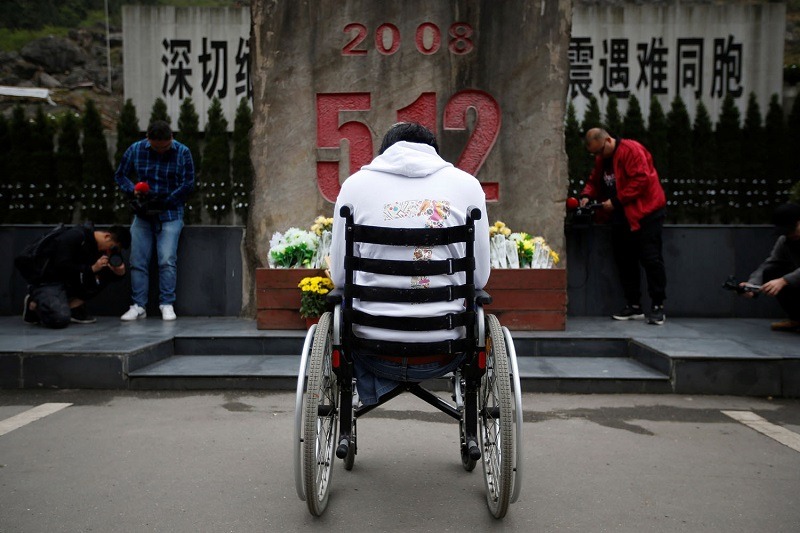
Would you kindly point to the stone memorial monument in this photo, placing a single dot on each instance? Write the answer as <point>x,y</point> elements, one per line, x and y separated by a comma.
<point>330,77</point>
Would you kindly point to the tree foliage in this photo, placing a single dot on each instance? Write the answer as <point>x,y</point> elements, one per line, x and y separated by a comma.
<point>729,159</point>
<point>657,143</point>
<point>613,118</point>
<point>189,134</point>
<point>41,168</point>
<point>753,196</point>
<point>241,165</point>
<point>633,124</point>
<point>679,159</point>
<point>217,164</point>
<point>22,191</point>
<point>6,184</point>
<point>128,131</point>
<point>793,140</point>
<point>775,154</point>
<point>591,119</point>
<point>69,167</point>
<point>98,190</point>
<point>159,112</point>
<point>705,171</point>
<point>578,158</point>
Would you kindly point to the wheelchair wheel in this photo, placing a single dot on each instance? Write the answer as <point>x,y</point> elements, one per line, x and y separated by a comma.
<point>320,419</point>
<point>495,422</point>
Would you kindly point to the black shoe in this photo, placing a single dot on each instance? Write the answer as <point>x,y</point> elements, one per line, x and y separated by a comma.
<point>28,315</point>
<point>631,312</point>
<point>81,316</point>
<point>656,315</point>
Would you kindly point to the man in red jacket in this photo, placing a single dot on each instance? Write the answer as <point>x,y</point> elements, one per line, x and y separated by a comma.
<point>626,182</point>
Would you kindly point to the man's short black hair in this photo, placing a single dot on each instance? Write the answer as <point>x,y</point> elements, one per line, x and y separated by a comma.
<point>412,132</point>
<point>158,130</point>
<point>786,218</point>
<point>121,236</point>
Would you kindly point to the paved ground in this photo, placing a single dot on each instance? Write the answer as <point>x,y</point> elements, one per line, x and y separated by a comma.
<point>221,461</point>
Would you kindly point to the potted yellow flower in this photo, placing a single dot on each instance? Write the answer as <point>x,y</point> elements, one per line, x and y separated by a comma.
<point>312,299</point>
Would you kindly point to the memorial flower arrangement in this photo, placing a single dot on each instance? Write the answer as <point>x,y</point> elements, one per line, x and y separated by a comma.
<point>509,249</point>
<point>297,248</point>
<point>312,300</point>
<point>293,249</point>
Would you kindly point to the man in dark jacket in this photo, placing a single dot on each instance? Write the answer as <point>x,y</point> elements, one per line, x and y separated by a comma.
<point>78,263</point>
<point>626,182</point>
<point>779,275</point>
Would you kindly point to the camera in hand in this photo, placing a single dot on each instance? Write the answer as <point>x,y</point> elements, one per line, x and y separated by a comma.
<point>732,285</point>
<point>146,204</point>
<point>115,257</point>
<point>581,215</point>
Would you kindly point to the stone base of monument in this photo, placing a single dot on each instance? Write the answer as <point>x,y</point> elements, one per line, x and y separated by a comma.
<point>523,299</point>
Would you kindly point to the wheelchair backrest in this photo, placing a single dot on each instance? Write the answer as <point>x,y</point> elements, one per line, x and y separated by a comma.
<point>420,238</point>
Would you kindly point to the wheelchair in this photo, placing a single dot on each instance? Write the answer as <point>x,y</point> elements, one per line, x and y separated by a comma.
<point>486,394</point>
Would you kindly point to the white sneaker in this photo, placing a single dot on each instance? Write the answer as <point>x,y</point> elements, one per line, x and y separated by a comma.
<point>167,312</point>
<point>135,312</point>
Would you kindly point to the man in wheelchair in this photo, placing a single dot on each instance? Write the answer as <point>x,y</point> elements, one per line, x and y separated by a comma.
<point>409,255</point>
<point>408,185</point>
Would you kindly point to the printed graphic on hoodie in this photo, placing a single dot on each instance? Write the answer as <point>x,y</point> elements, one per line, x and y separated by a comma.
<point>435,213</point>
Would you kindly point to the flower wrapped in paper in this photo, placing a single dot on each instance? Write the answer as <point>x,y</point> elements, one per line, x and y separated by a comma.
<point>509,249</point>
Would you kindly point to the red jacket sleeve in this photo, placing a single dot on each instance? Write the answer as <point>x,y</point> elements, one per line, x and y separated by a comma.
<point>635,173</point>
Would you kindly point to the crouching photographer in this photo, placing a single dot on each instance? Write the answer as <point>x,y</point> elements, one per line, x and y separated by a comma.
<point>68,266</point>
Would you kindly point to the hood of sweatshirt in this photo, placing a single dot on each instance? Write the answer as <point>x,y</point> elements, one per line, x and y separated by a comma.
<point>413,160</point>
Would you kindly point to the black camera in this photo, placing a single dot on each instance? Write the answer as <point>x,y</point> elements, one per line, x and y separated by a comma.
<point>115,257</point>
<point>582,215</point>
<point>732,285</point>
<point>147,206</point>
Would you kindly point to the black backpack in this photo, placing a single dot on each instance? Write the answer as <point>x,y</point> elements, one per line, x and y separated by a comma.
<point>32,263</point>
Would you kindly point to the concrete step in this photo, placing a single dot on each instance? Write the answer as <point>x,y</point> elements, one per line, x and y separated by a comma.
<point>590,375</point>
<point>542,374</point>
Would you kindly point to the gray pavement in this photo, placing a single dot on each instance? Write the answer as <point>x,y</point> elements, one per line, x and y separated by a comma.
<point>221,461</point>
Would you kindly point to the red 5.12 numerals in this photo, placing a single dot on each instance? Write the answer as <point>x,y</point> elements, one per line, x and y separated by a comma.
<point>427,39</point>
<point>422,110</point>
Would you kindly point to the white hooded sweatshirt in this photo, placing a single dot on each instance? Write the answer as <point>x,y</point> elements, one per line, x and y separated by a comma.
<point>410,186</point>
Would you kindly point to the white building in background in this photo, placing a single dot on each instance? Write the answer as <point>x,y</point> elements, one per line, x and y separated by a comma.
<point>701,52</point>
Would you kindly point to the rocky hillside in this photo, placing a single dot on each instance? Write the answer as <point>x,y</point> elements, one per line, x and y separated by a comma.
<point>73,67</point>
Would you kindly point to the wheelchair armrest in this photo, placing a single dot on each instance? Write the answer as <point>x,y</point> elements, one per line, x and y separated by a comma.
<point>482,297</point>
<point>335,296</point>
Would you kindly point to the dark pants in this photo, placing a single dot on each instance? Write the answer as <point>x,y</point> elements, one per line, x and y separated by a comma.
<point>52,302</point>
<point>789,297</point>
<point>634,250</point>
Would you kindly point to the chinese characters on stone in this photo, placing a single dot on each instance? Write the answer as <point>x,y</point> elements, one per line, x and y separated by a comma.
<point>616,64</point>
<point>212,66</point>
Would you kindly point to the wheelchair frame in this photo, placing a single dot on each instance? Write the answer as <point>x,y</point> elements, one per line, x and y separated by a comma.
<point>486,387</point>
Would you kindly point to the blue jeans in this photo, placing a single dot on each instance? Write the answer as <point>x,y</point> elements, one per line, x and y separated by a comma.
<point>375,377</point>
<point>164,235</point>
